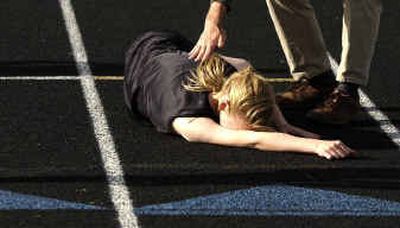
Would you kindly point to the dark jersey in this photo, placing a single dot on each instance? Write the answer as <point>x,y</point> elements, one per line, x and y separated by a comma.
<point>156,67</point>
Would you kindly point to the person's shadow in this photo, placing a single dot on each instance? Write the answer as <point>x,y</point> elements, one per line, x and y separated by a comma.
<point>362,133</point>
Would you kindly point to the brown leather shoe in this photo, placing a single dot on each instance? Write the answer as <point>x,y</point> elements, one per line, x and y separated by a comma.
<point>302,95</point>
<point>338,108</point>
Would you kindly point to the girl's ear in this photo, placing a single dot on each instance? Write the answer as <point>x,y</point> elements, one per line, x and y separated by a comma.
<point>222,106</point>
<point>223,103</point>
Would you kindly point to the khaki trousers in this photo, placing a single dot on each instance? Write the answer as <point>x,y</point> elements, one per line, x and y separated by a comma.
<point>304,47</point>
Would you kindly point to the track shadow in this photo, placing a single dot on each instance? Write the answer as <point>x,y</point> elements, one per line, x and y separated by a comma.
<point>361,134</point>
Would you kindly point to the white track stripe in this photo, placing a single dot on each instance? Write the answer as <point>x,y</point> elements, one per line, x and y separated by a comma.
<point>39,78</point>
<point>381,118</point>
<point>118,190</point>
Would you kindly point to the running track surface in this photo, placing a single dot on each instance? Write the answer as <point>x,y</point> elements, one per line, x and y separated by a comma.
<point>72,157</point>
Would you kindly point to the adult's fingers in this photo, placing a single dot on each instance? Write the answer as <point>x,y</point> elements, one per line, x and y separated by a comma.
<point>208,51</point>
<point>194,52</point>
<point>221,40</point>
<point>202,50</point>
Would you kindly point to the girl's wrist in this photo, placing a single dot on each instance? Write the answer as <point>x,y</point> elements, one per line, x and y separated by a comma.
<point>310,145</point>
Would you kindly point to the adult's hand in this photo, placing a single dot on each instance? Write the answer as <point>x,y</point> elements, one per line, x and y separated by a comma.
<point>213,35</point>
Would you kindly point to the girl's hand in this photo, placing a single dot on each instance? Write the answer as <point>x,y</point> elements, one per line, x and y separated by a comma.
<point>333,149</point>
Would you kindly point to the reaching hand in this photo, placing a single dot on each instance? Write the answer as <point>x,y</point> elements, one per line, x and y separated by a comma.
<point>333,149</point>
<point>213,36</point>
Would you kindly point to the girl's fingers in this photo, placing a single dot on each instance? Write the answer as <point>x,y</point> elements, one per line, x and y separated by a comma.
<point>335,150</point>
<point>347,149</point>
<point>335,153</point>
<point>342,150</point>
<point>330,152</point>
<point>328,156</point>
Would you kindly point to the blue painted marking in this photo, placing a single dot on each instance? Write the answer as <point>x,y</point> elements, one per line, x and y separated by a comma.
<point>276,200</point>
<point>15,201</point>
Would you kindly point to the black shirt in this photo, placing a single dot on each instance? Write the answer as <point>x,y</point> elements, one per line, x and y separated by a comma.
<point>156,66</point>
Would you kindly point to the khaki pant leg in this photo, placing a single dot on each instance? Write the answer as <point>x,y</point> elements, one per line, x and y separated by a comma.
<point>300,36</point>
<point>361,20</point>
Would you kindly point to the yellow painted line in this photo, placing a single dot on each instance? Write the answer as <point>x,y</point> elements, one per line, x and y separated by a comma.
<point>120,78</point>
<point>280,79</point>
<point>109,78</point>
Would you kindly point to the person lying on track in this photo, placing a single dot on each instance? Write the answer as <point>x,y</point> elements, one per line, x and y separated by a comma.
<point>222,100</point>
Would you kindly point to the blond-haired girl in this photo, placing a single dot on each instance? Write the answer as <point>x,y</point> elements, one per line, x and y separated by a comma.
<point>222,100</point>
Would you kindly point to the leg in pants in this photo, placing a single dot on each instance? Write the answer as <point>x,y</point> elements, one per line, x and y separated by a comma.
<point>300,37</point>
<point>302,42</point>
<point>360,30</point>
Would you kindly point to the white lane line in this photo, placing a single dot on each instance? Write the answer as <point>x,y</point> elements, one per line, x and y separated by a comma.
<point>381,118</point>
<point>119,192</point>
<point>39,78</point>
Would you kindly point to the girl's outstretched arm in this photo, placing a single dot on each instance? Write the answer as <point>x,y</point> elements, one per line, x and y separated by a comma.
<point>205,130</point>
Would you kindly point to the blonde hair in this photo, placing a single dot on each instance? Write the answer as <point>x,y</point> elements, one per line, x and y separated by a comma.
<point>249,93</point>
